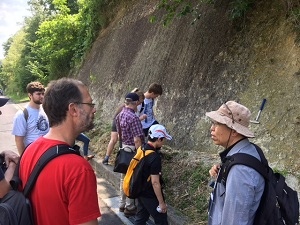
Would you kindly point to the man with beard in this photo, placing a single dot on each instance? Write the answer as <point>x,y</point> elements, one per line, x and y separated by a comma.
<point>66,190</point>
<point>32,122</point>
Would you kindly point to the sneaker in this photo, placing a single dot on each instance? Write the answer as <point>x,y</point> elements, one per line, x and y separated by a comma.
<point>129,213</point>
<point>105,160</point>
<point>121,208</point>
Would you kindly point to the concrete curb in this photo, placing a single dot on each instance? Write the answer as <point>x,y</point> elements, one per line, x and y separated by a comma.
<point>106,171</point>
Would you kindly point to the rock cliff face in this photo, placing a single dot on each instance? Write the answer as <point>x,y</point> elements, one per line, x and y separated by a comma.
<point>201,66</point>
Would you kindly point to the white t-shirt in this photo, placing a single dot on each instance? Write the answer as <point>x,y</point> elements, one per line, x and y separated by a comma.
<point>37,124</point>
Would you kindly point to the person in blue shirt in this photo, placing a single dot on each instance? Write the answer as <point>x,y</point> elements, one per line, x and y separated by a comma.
<point>153,92</point>
<point>237,202</point>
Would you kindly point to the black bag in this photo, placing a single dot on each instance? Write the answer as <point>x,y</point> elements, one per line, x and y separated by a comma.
<point>15,207</point>
<point>123,159</point>
<point>279,204</point>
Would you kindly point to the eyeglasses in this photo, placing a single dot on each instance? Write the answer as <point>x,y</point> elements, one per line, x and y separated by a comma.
<point>92,105</point>
<point>230,112</point>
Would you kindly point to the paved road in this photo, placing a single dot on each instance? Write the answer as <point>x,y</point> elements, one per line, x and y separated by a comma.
<point>108,196</point>
<point>7,141</point>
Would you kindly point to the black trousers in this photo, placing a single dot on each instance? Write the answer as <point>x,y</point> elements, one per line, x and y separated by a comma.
<point>147,207</point>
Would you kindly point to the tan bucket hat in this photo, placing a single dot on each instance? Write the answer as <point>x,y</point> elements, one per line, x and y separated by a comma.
<point>234,116</point>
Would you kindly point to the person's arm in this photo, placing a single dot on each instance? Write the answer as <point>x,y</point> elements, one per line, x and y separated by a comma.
<point>137,142</point>
<point>11,159</point>
<point>157,190</point>
<point>20,144</point>
<point>4,187</point>
<point>4,183</point>
<point>142,117</point>
<point>10,156</point>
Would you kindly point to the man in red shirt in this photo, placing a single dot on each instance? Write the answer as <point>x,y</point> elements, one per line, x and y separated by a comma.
<point>66,190</point>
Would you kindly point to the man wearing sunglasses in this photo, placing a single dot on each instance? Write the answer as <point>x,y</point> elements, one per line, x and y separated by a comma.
<point>237,202</point>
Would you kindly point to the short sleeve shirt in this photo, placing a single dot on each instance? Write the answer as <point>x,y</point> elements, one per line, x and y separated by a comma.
<point>37,124</point>
<point>148,110</point>
<point>152,166</point>
<point>66,189</point>
<point>130,125</point>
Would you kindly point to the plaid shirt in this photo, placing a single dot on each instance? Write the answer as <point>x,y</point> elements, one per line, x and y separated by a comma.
<point>130,126</point>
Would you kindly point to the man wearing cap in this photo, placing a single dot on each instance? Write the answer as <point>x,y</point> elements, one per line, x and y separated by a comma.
<point>236,203</point>
<point>151,199</point>
<point>132,138</point>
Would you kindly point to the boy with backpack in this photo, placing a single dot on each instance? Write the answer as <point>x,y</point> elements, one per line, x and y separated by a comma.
<point>32,122</point>
<point>151,199</point>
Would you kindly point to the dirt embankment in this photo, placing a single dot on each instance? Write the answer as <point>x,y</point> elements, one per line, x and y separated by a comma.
<point>201,66</point>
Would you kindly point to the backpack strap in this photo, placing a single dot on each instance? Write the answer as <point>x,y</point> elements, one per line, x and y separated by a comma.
<point>261,167</point>
<point>25,112</point>
<point>146,151</point>
<point>142,107</point>
<point>50,154</point>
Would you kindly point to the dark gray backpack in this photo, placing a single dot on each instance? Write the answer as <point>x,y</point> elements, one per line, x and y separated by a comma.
<point>279,204</point>
<point>15,208</point>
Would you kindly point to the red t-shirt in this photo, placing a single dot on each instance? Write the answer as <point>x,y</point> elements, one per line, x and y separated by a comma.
<point>65,191</point>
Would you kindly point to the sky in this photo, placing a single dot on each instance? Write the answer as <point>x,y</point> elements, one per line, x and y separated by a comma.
<point>12,13</point>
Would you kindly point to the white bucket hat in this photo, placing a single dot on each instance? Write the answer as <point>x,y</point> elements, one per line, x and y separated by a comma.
<point>234,116</point>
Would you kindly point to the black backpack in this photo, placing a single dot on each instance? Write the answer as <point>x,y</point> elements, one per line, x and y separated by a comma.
<point>15,208</point>
<point>279,204</point>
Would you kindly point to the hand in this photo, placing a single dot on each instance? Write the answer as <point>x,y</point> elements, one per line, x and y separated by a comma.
<point>163,207</point>
<point>10,156</point>
<point>142,117</point>
<point>213,172</point>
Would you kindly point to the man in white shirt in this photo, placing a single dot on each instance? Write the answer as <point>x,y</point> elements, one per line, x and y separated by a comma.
<point>32,122</point>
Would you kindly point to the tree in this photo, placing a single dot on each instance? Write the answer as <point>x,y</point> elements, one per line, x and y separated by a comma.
<point>55,44</point>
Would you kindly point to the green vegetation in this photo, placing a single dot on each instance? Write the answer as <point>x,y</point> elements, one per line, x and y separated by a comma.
<point>19,97</point>
<point>186,185</point>
<point>55,39</point>
<point>53,42</point>
<point>237,9</point>
<point>177,8</point>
